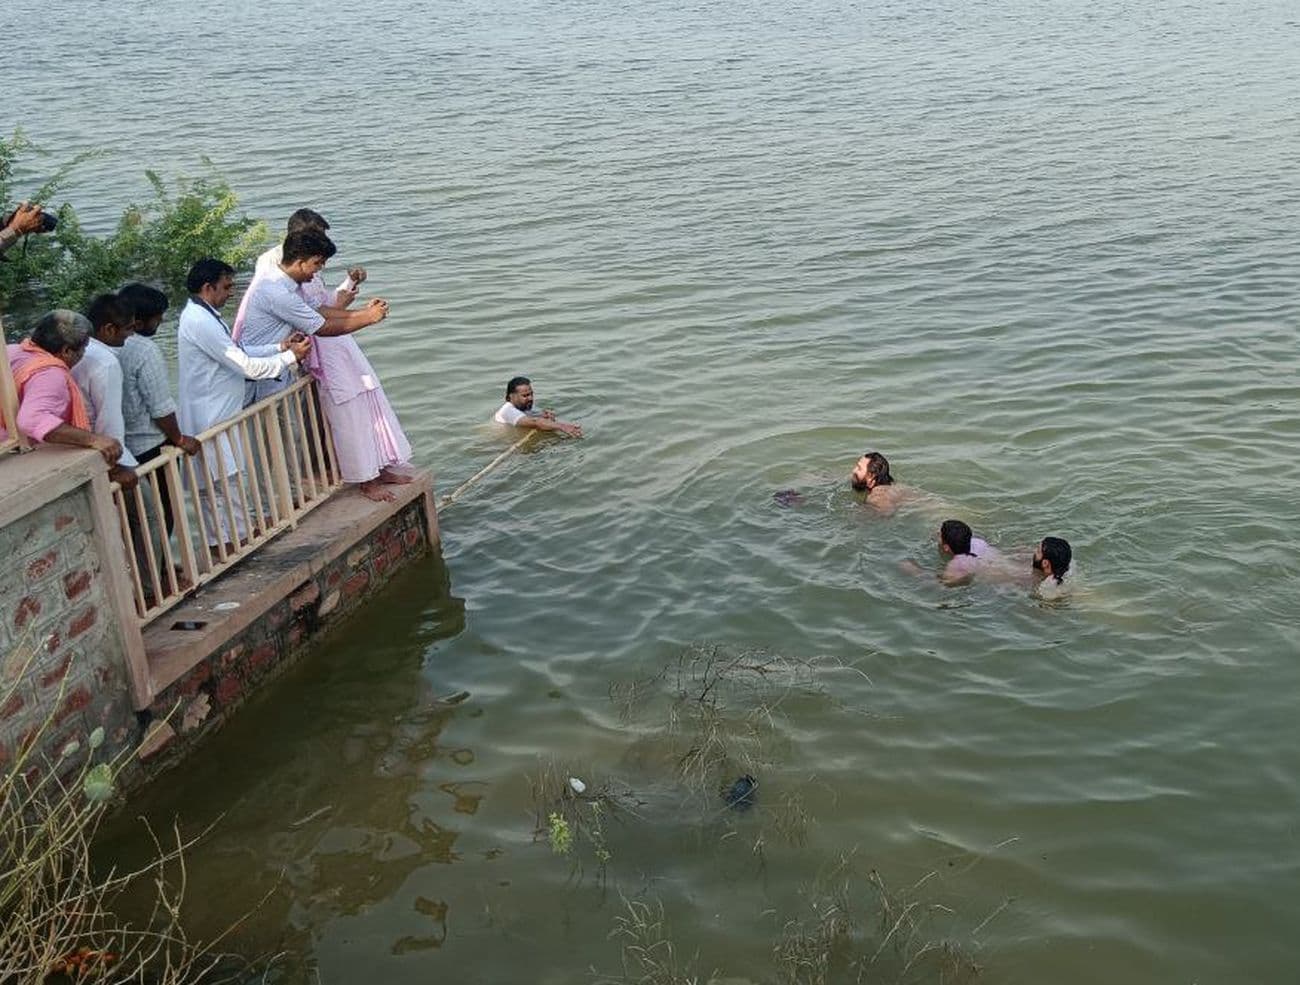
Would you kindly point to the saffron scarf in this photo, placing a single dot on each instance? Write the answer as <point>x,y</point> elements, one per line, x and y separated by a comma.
<point>40,360</point>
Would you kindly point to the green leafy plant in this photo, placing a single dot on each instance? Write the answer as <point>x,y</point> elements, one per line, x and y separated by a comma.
<point>154,242</point>
<point>560,835</point>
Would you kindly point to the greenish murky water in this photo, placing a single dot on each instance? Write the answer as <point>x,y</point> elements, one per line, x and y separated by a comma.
<point>1043,255</point>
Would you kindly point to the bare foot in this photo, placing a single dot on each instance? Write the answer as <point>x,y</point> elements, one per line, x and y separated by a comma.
<point>373,490</point>
<point>395,478</point>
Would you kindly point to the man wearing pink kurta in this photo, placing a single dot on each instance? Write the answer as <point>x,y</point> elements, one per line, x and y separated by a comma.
<point>369,443</point>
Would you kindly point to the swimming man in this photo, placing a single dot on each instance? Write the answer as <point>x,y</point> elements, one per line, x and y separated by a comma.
<point>871,476</point>
<point>970,554</point>
<point>1051,561</point>
<point>518,411</point>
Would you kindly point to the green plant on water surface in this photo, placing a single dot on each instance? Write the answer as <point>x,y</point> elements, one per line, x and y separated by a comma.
<point>58,919</point>
<point>573,822</point>
<point>560,835</point>
<point>154,242</point>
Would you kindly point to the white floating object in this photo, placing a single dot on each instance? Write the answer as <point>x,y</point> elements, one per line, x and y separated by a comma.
<point>576,785</point>
<point>225,606</point>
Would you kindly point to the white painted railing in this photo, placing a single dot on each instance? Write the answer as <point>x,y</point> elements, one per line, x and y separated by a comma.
<point>255,475</point>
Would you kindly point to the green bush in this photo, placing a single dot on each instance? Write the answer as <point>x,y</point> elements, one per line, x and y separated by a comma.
<point>155,242</point>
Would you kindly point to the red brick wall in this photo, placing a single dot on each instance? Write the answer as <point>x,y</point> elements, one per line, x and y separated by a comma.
<point>60,650</point>
<point>201,701</point>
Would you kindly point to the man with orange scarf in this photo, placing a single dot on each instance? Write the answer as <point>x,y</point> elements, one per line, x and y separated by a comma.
<point>51,409</point>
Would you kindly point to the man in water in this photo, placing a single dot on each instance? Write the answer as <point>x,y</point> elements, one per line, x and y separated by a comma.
<point>1051,561</point>
<point>518,411</point>
<point>871,476</point>
<point>970,554</point>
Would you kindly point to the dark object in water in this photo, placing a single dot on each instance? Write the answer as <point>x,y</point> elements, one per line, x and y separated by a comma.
<point>788,497</point>
<point>742,794</point>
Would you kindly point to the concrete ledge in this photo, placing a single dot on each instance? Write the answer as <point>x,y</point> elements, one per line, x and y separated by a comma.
<point>259,618</point>
<point>227,607</point>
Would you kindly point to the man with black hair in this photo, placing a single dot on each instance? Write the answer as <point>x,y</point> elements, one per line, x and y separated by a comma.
<point>871,475</point>
<point>99,377</point>
<point>212,374</point>
<point>269,262</point>
<point>518,411</point>
<point>370,446</point>
<point>1052,560</point>
<point>147,403</point>
<point>275,308</point>
<point>970,554</point>
<point>148,408</point>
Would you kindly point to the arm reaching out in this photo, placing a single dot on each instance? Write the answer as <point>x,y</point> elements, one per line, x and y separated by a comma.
<point>550,424</point>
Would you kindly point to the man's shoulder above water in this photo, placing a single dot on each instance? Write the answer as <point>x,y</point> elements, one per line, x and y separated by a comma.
<point>508,414</point>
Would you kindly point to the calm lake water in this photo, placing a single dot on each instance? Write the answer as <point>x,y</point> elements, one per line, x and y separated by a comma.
<point>1044,255</point>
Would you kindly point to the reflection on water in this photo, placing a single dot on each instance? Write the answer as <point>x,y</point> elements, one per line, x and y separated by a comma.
<point>311,791</point>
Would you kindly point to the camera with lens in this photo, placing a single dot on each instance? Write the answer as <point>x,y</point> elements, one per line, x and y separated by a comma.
<point>49,221</point>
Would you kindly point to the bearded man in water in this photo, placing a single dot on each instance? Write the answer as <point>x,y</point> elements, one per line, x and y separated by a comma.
<point>871,476</point>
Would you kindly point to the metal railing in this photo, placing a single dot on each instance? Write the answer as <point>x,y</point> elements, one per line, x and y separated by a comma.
<point>255,475</point>
<point>10,440</point>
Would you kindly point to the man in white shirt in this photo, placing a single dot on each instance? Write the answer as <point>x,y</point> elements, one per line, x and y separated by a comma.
<point>274,309</point>
<point>212,374</point>
<point>99,377</point>
<point>518,411</point>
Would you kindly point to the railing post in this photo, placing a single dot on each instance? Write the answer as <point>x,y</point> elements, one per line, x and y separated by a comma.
<point>279,465</point>
<point>115,566</point>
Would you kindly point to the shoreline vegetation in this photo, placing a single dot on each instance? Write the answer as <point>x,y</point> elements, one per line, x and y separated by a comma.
<point>154,242</point>
<point>62,916</point>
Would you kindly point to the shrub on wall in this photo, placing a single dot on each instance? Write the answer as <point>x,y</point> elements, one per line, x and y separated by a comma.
<point>155,242</point>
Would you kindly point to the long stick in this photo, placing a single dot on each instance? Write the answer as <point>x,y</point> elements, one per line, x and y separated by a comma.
<point>452,496</point>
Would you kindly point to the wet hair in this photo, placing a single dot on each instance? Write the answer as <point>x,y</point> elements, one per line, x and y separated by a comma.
<point>515,383</point>
<point>61,329</point>
<point>1057,550</point>
<point>306,219</point>
<point>956,535</point>
<point>109,309</point>
<point>148,302</point>
<point>307,243</point>
<point>878,468</point>
<point>207,271</point>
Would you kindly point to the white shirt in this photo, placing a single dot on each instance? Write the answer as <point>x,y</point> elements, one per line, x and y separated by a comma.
<point>509,414</point>
<point>146,392</point>
<point>212,373</point>
<point>99,375</point>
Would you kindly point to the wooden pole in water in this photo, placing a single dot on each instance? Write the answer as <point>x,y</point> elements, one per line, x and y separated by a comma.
<point>452,496</point>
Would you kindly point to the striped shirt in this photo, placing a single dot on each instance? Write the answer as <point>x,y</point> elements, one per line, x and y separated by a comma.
<point>146,393</point>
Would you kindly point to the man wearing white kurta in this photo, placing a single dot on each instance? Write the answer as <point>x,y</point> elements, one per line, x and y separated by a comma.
<point>99,377</point>
<point>213,370</point>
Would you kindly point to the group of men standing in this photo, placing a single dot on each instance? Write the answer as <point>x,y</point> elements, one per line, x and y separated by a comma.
<point>99,381</point>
